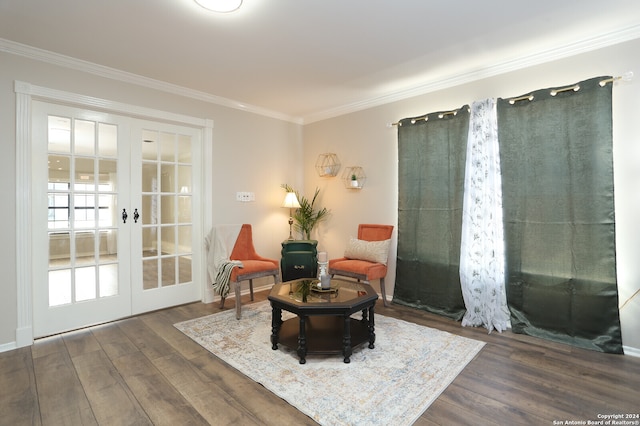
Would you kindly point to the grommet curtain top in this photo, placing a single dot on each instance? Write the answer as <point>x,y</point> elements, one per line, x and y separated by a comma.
<point>603,81</point>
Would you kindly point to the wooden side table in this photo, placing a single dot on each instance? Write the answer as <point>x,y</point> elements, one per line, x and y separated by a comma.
<point>299,259</point>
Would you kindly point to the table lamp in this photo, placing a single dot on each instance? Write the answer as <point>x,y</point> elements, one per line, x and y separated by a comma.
<point>291,201</point>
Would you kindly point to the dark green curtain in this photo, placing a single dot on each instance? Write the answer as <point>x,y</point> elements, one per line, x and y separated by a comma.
<point>431,167</point>
<point>558,200</point>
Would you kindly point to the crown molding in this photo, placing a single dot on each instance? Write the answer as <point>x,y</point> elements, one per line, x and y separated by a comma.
<point>42,55</point>
<point>438,83</point>
<point>471,75</point>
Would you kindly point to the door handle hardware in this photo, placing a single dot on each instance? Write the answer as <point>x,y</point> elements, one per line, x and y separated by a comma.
<point>136,215</point>
<point>124,215</point>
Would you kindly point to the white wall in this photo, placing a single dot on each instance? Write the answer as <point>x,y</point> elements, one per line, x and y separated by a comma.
<point>364,139</point>
<point>250,153</point>
<point>255,153</point>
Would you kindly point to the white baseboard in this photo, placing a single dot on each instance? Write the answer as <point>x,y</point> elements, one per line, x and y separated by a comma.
<point>24,337</point>
<point>628,350</point>
<point>8,347</point>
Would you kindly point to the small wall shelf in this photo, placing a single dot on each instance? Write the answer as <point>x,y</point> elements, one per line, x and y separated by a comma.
<point>327,165</point>
<point>349,174</point>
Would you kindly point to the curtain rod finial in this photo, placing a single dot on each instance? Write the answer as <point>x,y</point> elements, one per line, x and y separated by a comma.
<point>627,76</point>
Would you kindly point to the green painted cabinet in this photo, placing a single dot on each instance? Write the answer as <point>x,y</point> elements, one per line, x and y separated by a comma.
<point>299,259</point>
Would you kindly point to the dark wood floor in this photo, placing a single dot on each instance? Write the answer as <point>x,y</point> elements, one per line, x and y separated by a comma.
<point>142,370</point>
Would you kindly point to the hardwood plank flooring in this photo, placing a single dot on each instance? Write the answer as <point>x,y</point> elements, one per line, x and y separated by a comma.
<point>142,371</point>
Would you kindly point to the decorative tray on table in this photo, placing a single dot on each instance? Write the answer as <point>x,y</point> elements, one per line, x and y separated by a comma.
<point>315,287</point>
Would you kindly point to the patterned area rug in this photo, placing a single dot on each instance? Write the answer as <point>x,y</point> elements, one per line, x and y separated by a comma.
<point>392,384</point>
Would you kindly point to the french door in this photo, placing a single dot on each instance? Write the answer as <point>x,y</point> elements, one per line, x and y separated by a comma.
<point>166,190</point>
<point>114,216</point>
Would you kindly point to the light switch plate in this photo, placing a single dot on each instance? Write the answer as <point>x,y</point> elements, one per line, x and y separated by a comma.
<point>245,197</point>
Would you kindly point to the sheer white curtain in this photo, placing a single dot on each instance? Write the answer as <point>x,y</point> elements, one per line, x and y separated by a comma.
<point>482,253</point>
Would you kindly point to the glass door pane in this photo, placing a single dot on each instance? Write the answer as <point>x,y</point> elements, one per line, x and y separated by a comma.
<point>166,174</point>
<point>82,219</point>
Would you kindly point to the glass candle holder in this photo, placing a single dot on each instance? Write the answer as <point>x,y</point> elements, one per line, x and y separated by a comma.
<point>323,275</point>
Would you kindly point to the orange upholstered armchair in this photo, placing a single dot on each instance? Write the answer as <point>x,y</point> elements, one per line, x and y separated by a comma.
<point>254,265</point>
<point>363,261</point>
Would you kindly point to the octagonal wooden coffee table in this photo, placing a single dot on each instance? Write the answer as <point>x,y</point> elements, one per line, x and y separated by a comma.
<point>323,324</point>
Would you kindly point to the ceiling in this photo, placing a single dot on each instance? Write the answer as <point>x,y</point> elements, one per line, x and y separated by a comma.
<point>307,60</point>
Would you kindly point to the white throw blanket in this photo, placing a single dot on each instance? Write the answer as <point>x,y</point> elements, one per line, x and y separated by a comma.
<point>219,244</point>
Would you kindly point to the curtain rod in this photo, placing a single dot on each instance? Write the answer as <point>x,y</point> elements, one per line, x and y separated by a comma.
<point>426,117</point>
<point>575,88</point>
<point>521,98</point>
<point>627,76</point>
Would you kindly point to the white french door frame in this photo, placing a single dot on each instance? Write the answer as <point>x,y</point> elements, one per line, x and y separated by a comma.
<point>25,93</point>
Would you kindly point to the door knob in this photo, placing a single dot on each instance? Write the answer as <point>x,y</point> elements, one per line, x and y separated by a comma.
<point>124,215</point>
<point>136,215</point>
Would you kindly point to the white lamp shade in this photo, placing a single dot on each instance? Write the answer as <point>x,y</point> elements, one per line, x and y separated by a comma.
<point>291,201</point>
<point>222,6</point>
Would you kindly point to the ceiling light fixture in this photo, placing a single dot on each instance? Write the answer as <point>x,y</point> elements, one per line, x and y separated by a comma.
<point>222,6</point>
